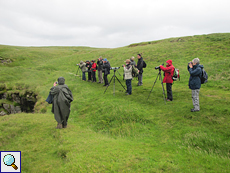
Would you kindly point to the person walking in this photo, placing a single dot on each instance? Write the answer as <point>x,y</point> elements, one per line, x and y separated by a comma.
<point>83,68</point>
<point>99,71</point>
<point>106,68</point>
<point>168,73</point>
<point>195,71</point>
<point>94,69</point>
<point>128,76</point>
<point>140,69</point>
<point>62,98</point>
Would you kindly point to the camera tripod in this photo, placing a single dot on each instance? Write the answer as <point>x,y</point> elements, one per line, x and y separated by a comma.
<point>160,77</point>
<point>113,78</point>
<point>78,72</point>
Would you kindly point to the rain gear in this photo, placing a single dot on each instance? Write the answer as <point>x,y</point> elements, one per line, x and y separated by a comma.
<point>62,98</point>
<point>195,75</point>
<point>169,70</point>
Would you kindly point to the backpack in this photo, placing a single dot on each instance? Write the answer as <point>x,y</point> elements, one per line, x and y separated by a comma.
<point>144,64</point>
<point>204,77</point>
<point>176,75</point>
<point>134,71</point>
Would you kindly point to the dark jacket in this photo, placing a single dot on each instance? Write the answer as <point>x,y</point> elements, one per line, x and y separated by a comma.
<point>169,70</point>
<point>62,97</point>
<point>106,68</point>
<point>140,65</point>
<point>89,67</point>
<point>100,65</point>
<point>195,75</point>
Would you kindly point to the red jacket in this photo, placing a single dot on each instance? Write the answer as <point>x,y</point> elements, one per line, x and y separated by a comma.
<point>94,65</point>
<point>169,70</point>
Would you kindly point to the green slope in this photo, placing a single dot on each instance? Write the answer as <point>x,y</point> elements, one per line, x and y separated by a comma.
<point>121,133</point>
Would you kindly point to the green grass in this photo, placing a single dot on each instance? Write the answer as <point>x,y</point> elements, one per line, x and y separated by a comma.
<point>120,133</point>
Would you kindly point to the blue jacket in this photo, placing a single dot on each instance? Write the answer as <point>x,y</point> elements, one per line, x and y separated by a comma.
<point>195,75</point>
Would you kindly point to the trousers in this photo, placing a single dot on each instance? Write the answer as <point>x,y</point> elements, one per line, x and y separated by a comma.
<point>169,91</point>
<point>195,99</point>
<point>100,76</point>
<point>129,86</point>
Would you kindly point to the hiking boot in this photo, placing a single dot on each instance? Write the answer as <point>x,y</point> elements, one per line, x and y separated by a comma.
<point>194,110</point>
<point>59,126</point>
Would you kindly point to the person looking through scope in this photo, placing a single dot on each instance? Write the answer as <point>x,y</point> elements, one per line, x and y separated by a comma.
<point>82,66</point>
<point>168,73</point>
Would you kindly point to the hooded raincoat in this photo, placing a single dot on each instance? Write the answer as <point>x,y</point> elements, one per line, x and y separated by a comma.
<point>62,98</point>
<point>169,70</point>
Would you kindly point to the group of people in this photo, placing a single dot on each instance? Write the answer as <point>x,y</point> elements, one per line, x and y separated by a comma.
<point>103,67</point>
<point>62,96</point>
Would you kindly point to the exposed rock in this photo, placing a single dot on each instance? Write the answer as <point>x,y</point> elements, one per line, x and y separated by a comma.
<point>7,108</point>
<point>3,96</point>
<point>18,109</point>
<point>2,113</point>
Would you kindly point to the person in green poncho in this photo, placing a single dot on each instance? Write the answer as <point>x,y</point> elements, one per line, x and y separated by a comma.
<point>62,98</point>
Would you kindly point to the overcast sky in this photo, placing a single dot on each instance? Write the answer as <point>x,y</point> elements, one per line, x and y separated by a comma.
<point>108,23</point>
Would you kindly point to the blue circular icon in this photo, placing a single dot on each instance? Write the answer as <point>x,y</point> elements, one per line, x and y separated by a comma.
<point>8,159</point>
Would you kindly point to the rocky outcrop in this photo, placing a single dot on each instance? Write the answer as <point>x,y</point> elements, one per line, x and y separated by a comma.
<point>16,103</point>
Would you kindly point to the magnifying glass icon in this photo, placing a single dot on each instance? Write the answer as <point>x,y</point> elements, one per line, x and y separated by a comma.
<point>9,160</point>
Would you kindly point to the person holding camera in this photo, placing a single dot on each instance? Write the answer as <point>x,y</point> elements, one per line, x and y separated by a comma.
<point>82,66</point>
<point>168,73</point>
<point>128,76</point>
<point>106,69</point>
<point>94,69</point>
<point>89,65</point>
<point>62,98</point>
<point>100,67</point>
<point>195,71</point>
<point>140,69</point>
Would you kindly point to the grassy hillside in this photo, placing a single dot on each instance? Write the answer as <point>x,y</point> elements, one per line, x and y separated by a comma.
<point>120,133</point>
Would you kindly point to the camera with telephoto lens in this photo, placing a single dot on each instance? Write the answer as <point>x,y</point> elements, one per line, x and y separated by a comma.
<point>114,68</point>
<point>158,67</point>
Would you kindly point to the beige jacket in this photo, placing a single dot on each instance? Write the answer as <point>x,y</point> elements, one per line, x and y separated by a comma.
<point>128,72</point>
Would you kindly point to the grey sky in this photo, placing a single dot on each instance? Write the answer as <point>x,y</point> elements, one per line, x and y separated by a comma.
<point>108,23</point>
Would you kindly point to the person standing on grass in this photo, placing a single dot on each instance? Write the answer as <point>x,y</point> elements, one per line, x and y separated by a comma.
<point>94,69</point>
<point>132,62</point>
<point>82,66</point>
<point>168,73</point>
<point>195,71</point>
<point>140,69</point>
<point>99,71</point>
<point>128,76</point>
<point>62,98</point>
<point>106,69</point>
<point>89,65</point>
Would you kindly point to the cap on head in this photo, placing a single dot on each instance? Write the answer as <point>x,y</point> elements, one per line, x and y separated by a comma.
<point>105,59</point>
<point>132,58</point>
<point>127,61</point>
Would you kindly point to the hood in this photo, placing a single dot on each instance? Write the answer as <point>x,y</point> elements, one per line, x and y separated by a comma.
<point>61,81</point>
<point>201,66</point>
<point>169,62</point>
